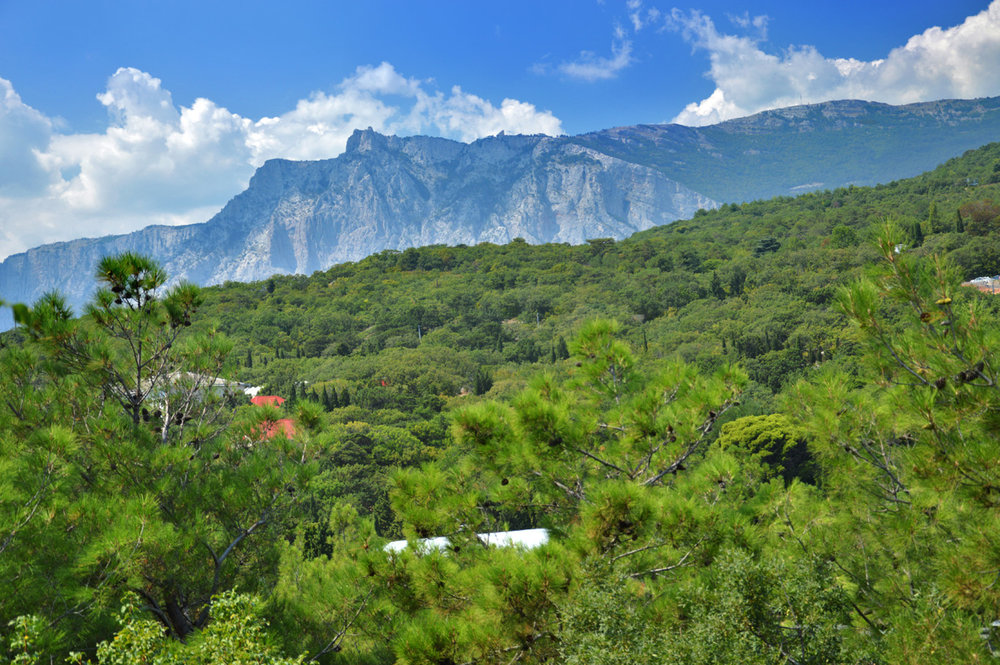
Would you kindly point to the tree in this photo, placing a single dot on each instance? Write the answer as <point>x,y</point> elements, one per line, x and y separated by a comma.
<point>843,236</point>
<point>715,288</point>
<point>766,245</point>
<point>773,443</point>
<point>909,458</point>
<point>607,460</point>
<point>131,347</point>
<point>483,381</point>
<point>237,634</point>
<point>737,280</point>
<point>935,222</point>
<point>143,480</point>
<point>980,217</point>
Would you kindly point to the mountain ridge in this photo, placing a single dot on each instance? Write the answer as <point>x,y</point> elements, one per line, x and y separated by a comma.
<point>390,192</point>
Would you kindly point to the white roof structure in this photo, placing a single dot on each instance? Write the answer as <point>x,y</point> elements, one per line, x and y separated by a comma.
<point>529,539</point>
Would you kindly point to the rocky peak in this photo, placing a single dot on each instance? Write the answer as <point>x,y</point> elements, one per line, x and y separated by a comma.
<point>366,140</point>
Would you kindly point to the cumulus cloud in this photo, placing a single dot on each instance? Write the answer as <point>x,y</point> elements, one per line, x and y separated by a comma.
<point>956,62</point>
<point>23,130</point>
<point>160,163</point>
<point>469,117</point>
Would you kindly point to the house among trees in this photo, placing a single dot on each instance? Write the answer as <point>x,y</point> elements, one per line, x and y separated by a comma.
<point>985,284</point>
<point>267,400</point>
<point>272,428</point>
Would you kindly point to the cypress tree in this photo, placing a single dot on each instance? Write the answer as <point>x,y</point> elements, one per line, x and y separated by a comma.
<point>716,287</point>
<point>934,221</point>
<point>561,349</point>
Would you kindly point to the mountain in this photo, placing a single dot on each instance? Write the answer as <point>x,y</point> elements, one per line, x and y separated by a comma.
<point>387,192</point>
<point>383,192</point>
<point>788,151</point>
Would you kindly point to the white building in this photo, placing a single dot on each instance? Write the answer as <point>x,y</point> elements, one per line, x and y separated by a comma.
<point>529,539</point>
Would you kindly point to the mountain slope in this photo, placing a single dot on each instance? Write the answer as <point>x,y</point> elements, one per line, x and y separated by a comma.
<point>393,193</point>
<point>384,193</point>
<point>817,146</point>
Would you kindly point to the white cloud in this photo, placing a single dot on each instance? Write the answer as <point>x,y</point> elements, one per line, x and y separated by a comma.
<point>23,130</point>
<point>591,67</point>
<point>159,163</point>
<point>639,17</point>
<point>957,62</point>
<point>744,21</point>
<point>470,117</point>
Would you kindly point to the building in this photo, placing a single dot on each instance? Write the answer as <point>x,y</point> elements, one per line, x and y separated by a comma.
<point>529,539</point>
<point>267,400</point>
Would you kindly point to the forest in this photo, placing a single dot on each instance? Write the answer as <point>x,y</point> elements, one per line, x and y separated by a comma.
<point>767,434</point>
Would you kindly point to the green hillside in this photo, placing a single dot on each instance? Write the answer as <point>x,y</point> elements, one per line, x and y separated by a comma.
<point>767,434</point>
<point>751,282</point>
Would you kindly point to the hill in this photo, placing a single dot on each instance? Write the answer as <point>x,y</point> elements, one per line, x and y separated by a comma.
<point>752,282</point>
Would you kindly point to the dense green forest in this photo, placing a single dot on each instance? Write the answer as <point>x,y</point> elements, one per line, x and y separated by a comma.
<point>763,435</point>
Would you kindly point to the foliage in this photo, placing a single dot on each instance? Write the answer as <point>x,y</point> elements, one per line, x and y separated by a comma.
<point>128,469</point>
<point>910,460</point>
<point>236,636</point>
<point>755,447</point>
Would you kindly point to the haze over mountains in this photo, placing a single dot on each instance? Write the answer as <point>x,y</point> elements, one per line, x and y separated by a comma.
<point>393,193</point>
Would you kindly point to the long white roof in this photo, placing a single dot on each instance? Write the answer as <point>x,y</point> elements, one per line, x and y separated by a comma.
<point>526,538</point>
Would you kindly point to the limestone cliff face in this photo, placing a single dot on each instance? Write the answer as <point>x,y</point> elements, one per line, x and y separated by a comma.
<point>386,192</point>
<point>393,193</point>
<point>383,193</point>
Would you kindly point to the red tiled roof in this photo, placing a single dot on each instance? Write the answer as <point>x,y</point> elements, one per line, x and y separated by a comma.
<point>267,400</point>
<point>990,287</point>
<point>272,429</point>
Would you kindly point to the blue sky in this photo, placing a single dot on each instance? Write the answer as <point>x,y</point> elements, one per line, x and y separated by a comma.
<point>115,115</point>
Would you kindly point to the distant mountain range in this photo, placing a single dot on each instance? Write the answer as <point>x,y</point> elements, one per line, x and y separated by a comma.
<point>386,192</point>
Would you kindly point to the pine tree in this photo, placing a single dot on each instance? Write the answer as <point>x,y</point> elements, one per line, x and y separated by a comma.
<point>909,457</point>
<point>608,459</point>
<point>156,494</point>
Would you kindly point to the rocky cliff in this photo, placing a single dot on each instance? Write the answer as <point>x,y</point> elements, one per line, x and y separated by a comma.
<point>386,192</point>
<point>383,192</point>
